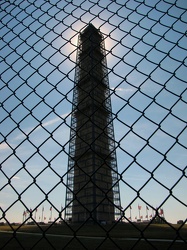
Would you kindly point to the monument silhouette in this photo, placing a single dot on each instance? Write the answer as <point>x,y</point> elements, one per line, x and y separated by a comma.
<point>92,192</point>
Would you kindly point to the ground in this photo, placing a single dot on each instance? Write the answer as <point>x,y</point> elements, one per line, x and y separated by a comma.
<point>115,236</point>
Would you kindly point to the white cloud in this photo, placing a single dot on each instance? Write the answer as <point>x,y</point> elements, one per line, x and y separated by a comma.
<point>134,177</point>
<point>16,177</point>
<point>45,124</point>
<point>53,121</point>
<point>50,122</point>
<point>4,146</point>
<point>124,89</point>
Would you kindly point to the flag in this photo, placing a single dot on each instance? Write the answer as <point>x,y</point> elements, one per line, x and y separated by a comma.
<point>139,207</point>
<point>147,208</point>
<point>51,208</point>
<point>161,211</point>
<point>130,207</point>
<point>43,209</point>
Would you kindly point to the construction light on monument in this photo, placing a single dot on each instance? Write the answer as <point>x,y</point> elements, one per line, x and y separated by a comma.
<point>92,192</point>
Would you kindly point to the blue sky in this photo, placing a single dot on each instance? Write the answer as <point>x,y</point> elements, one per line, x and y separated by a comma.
<point>146,58</point>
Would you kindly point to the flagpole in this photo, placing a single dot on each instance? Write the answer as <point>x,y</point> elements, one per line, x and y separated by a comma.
<point>27,214</point>
<point>139,208</point>
<point>23,215</point>
<point>35,214</point>
<point>152,212</point>
<point>42,214</point>
<point>51,214</point>
<point>61,209</point>
<point>147,212</point>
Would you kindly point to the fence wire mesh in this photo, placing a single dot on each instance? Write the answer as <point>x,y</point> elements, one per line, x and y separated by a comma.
<point>146,52</point>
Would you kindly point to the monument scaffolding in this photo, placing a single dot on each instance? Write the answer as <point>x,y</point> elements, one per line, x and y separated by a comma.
<point>92,192</point>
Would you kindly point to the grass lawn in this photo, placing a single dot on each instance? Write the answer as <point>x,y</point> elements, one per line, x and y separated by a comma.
<point>114,236</point>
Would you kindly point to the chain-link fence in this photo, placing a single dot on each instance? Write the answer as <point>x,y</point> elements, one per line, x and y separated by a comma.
<point>146,52</point>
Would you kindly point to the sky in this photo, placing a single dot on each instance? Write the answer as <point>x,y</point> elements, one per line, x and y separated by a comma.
<point>146,47</point>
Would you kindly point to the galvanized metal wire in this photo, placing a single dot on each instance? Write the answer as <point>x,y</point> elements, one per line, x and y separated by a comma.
<point>146,52</point>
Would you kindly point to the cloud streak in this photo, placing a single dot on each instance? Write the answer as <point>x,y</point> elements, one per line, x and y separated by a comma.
<point>4,146</point>
<point>45,124</point>
<point>16,177</point>
<point>123,89</point>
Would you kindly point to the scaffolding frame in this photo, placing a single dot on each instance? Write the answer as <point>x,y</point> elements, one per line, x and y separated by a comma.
<point>81,75</point>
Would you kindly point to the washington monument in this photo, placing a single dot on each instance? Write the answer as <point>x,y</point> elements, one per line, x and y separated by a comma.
<point>92,181</point>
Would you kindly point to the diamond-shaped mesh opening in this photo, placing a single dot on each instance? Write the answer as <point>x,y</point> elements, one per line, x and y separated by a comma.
<point>93,124</point>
